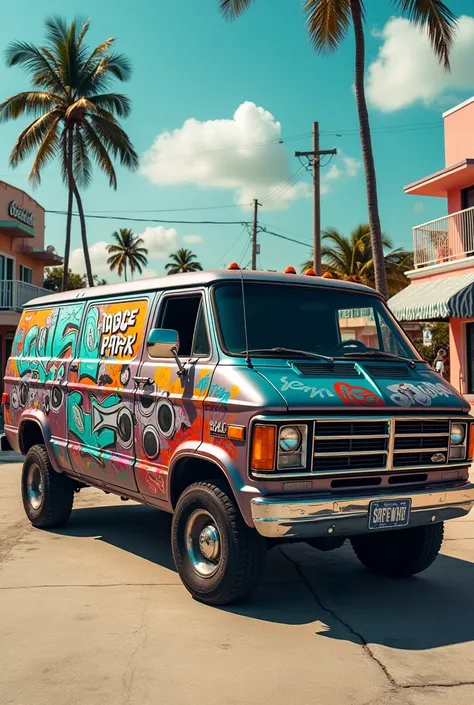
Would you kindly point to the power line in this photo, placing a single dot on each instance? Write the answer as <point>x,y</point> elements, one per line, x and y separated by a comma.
<point>238,238</point>
<point>173,210</point>
<point>154,220</point>
<point>284,237</point>
<point>388,128</point>
<point>282,230</point>
<point>279,190</point>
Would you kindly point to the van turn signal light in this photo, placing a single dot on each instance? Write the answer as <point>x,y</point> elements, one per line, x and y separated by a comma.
<point>5,397</point>
<point>263,448</point>
<point>233,265</point>
<point>290,270</point>
<point>310,272</point>
<point>236,433</point>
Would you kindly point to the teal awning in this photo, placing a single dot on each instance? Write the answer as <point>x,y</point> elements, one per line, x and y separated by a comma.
<point>435,299</point>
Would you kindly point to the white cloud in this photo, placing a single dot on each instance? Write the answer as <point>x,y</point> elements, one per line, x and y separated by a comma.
<point>159,242</point>
<point>406,70</point>
<point>242,154</point>
<point>193,239</point>
<point>98,255</point>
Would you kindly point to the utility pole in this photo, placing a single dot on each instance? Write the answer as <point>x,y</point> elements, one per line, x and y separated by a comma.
<point>314,162</point>
<point>256,204</point>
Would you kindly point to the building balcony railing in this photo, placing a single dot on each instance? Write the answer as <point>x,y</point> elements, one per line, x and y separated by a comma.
<point>444,239</point>
<point>15,294</point>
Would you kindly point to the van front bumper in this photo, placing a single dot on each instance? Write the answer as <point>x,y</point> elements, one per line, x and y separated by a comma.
<point>310,517</point>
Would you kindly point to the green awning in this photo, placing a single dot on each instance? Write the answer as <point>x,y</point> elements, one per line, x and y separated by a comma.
<point>435,299</point>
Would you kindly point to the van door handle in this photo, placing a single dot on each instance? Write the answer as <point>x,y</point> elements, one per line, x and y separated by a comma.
<point>74,367</point>
<point>142,380</point>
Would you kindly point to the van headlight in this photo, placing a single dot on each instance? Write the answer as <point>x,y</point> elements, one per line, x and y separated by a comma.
<point>458,441</point>
<point>292,447</point>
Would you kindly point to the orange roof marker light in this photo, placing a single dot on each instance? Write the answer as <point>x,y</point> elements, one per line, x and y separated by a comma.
<point>290,270</point>
<point>327,275</point>
<point>310,272</point>
<point>233,265</point>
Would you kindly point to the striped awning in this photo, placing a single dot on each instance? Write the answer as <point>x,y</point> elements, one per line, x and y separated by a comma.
<point>435,299</point>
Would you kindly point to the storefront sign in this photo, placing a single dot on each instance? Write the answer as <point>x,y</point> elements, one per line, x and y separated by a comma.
<point>21,214</point>
<point>427,336</point>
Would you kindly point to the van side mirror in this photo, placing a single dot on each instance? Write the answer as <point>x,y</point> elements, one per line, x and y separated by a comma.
<point>163,342</point>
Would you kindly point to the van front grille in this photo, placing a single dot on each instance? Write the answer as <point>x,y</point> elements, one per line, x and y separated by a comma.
<point>344,445</point>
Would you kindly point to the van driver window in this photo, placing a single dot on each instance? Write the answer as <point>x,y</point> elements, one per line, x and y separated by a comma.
<point>185,314</point>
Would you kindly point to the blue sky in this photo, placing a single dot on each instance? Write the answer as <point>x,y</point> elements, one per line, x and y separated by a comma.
<point>189,63</point>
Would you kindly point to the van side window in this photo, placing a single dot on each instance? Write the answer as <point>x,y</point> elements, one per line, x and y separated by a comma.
<point>185,314</point>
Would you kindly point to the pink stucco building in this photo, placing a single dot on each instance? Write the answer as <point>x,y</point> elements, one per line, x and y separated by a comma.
<point>442,282</point>
<point>23,257</point>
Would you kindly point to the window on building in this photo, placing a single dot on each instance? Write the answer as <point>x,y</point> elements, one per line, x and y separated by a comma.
<point>467,198</point>
<point>26,274</point>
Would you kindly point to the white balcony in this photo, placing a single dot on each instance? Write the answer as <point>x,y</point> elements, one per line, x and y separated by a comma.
<point>445,239</point>
<point>15,294</point>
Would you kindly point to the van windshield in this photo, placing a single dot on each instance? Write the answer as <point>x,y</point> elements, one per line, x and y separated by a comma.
<point>309,319</point>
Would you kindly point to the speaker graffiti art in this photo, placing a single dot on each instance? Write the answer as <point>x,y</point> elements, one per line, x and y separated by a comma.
<point>117,418</point>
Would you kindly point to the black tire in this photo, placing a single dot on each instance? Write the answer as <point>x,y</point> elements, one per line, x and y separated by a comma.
<point>399,554</point>
<point>51,505</point>
<point>242,553</point>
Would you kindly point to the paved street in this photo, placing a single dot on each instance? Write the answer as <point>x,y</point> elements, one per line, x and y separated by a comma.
<point>95,613</point>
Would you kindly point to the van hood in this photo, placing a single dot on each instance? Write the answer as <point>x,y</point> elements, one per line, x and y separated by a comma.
<point>356,386</point>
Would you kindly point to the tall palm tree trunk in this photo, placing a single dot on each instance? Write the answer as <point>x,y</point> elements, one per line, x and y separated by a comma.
<point>87,259</point>
<point>67,245</point>
<point>125,265</point>
<point>73,185</point>
<point>367,153</point>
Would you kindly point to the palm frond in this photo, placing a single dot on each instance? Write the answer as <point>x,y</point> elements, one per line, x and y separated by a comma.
<point>233,8</point>
<point>82,167</point>
<point>113,103</point>
<point>47,151</point>
<point>436,17</point>
<point>32,136</point>
<point>100,154</point>
<point>115,140</point>
<point>35,63</point>
<point>29,103</point>
<point>327,21</point>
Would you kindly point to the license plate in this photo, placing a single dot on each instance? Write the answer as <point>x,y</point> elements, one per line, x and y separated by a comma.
<point>389,513</point>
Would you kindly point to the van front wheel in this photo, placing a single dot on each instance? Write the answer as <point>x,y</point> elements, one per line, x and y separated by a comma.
<point>47,495</point>
<point>218,557</point>
<point>400,553</point>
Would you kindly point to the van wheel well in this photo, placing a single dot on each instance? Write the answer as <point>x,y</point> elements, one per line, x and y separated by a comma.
<point>31,435</point>
<point>191,470</point>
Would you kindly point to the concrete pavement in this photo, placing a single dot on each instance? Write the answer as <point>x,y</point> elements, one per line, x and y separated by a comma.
<point>95,613</point>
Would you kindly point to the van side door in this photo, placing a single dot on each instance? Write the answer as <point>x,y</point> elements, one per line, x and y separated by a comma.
<point>169,407</point>
<point>101,390</point>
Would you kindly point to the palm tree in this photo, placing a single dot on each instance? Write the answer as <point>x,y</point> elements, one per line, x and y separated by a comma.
<point>183,261</point>
<point>351,258</point>
<point>128,250</point>
<point>75,117</point>
<point>328,23</point>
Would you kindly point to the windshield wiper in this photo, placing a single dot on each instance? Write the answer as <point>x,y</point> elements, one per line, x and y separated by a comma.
<point>289,351</point>
<point>381,353</point>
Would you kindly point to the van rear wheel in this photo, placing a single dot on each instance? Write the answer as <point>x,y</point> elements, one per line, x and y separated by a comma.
<point>47,495</point>
<point>219,559</point>
<point>401,553</point>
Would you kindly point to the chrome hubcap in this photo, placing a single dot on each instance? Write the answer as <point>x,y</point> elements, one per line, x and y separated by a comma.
<point>203,543</point>
<point>34,486</point>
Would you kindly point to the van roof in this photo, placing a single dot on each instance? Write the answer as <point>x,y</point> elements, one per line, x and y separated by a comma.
<point>195,279</point>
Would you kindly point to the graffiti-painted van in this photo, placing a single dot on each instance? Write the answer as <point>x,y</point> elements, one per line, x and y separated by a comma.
<point>257,407</point>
